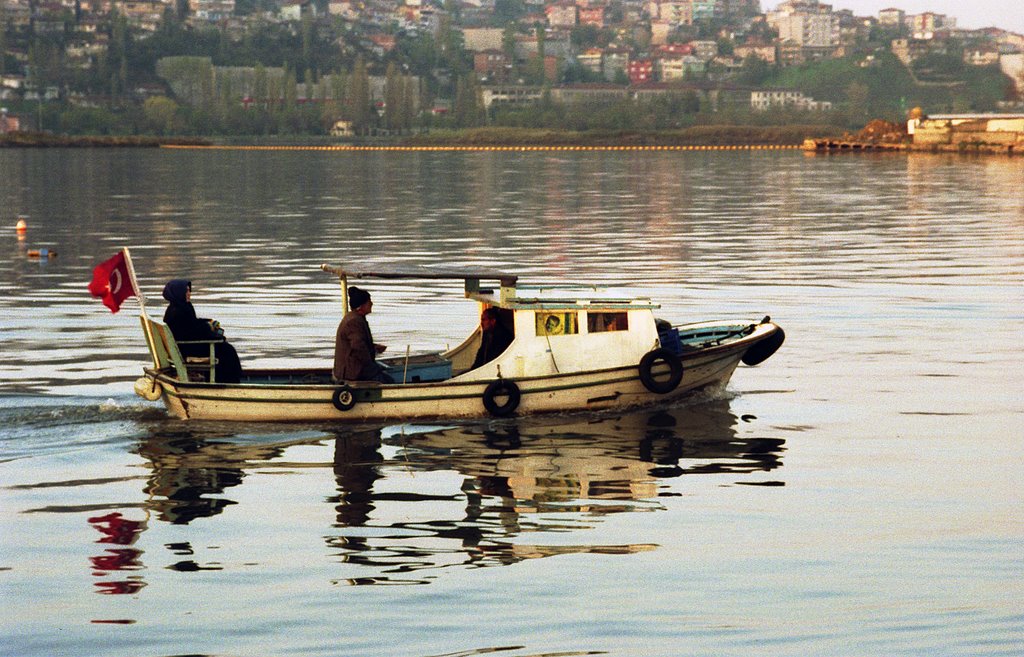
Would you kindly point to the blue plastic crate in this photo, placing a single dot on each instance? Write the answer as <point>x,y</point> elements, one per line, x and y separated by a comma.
<point>670,340</point>
<point>420,370</point>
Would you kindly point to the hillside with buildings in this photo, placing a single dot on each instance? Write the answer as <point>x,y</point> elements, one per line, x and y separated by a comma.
<point>385,67</point>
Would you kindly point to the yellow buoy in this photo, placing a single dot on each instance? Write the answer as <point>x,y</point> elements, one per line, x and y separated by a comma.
<point>148,389</point>
<point>21,226</point>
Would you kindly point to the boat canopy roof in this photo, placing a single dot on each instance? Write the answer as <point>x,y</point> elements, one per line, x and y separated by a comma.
<point>423,272</point>
<point>543,297</point>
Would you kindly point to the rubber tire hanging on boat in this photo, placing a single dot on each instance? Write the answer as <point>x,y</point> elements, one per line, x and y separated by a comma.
<point>501,388</point>
<point>650,360</point>
<point>763,350</point>
<point>343,398</point>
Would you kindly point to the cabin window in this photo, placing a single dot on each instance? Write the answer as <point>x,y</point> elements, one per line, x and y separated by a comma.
<point>564,323</point>
<point>602,322</point>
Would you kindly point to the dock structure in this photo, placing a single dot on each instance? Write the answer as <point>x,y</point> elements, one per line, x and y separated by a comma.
<point>839,145</point>
<point>988,133</point>
<point>996,134</point>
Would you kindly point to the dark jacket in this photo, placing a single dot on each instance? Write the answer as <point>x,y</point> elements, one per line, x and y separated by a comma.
<point>492,344</point>
<point>354,353</point>
<point>180,317</point>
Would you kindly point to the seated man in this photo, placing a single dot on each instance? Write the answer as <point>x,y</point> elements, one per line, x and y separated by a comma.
<point>494,337</point>
<point>355,354</point>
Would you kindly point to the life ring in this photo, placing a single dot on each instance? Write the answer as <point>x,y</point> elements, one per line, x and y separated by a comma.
<point>343,398</point>
<point>501,388</point>
<point>763,350</point>
<point>648,363</point>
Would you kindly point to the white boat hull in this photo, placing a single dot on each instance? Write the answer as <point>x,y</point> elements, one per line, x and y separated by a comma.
<point>609,388</point>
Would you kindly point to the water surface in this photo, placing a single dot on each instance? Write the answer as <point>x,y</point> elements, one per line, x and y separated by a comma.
<point>857,494</point>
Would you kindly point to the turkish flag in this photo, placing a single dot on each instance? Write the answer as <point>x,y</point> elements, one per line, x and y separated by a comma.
<point>112,282</point>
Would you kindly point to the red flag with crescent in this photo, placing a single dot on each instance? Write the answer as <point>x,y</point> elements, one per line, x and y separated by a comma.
<point>112,282</point>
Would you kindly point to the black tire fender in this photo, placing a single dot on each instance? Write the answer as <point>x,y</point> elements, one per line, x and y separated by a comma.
<point>651,360</point>
<point>501,388</point>
<point>343,398</point>
<point>764,349</point>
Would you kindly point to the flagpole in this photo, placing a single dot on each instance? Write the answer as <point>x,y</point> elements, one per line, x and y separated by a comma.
<point>135,282</point>
<point>142,308</point>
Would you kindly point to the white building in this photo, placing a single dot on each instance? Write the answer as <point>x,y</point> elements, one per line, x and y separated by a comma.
<point>673,12</point>
<point>929,23</point>
<point>479,39</point>
<point>892,17</point>
<point>807,24</point>
<point>1013,66</point>
<point>677,66</point>
<point>765,99</point>
<point>211,10</point>
<point>510,95</point>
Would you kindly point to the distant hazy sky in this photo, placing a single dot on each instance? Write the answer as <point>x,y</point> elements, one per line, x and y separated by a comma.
<point>1007,14</point>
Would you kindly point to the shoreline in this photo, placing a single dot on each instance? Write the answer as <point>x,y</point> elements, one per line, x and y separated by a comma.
<point>703,138</point>
<point>468,139</point>
<point>47,140</point>
<point>478,148</point>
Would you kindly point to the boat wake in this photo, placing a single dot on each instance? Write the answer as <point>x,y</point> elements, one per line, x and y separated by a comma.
<point>34,426</point>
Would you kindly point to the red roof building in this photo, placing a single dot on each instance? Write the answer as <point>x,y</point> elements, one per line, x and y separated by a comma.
<point>640,71</point>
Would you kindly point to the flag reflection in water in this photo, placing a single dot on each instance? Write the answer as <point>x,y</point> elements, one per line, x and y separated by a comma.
<point>118,530</point>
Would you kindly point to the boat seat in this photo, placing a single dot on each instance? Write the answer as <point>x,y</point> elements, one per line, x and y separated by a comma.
<point>163,348</point>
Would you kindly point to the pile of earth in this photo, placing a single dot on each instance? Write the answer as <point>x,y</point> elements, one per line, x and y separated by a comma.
<point>880,132</point>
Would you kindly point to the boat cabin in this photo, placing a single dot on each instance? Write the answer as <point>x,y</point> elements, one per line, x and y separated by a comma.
<point>557,330</point>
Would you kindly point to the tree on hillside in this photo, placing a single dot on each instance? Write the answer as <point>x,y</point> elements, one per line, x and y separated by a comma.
<point>939,67</point>
<point>418,53</point>
<point>857,108</point>
<point>338,91</point>
<point>308,37</point>
<point>3,38</point>
<point>508,11</point>
<point>114,63</point>
<point>754,72</point>
<point>46,63</point>
<point>358,98</point>
<point>260,87</point>
<point>162,115</point>
<point>585,36</point>
<point>468,107</point>
<point>394,94</point>
<point>451,47</point>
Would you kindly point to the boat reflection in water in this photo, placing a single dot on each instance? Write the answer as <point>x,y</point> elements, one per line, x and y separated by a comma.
<point>190,466</point>
<point>410,501</point>
<point>525,478</point>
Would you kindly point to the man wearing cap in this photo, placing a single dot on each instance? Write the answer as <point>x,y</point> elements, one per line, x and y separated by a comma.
<point>354,351</point>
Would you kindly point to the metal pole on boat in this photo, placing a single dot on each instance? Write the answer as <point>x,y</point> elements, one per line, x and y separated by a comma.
<point>343,279</point>
<point>150,338</point>
<point>135,283</point>
<point>405,373</point>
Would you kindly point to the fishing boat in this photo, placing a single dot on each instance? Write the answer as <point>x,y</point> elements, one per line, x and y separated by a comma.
<point>574,348</point>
